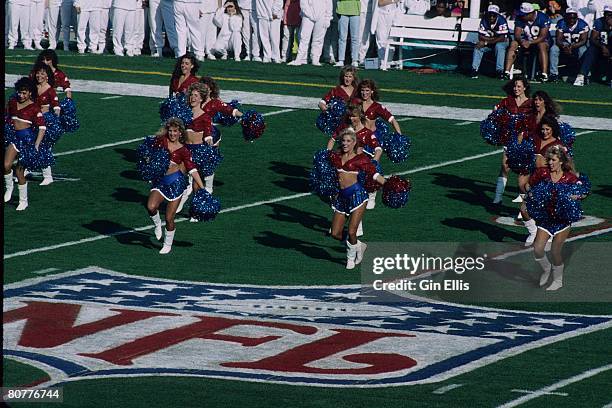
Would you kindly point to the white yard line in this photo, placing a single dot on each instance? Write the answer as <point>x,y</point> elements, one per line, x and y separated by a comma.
<point>467,122</point>
<point>111,97</point>
<point>556,386</point>
<point>122,142</point>
<point>561,394</point>
<point>445,389</point>
<point>231,209</point>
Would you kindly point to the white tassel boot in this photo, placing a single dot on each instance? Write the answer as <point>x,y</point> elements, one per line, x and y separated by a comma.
<point>499,189</point>
<point>360,229</point>
<point>158,227</point>
<point>361,248</point>
<point>23,197</point>
<point>168,239</point>
<point>208,183</point>
<point>533,231</point>
<point>9,184</point>
<point>371,201</point>
<point>557,273</point>
<point>47,176</point>
<point>546,267</point>
<point>351,253</point>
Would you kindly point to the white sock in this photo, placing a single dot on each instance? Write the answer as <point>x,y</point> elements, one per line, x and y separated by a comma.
<point>546,266</point>
<point>531,226</point>
<point>499,189</point>
<point>361,248</point>
<point>557,273</point>
<point>168,239</point>
<point>23,197</point>
<point>351,253</point>
<point>359,229</point>
<point>158,227</point>
<point>9,184</point>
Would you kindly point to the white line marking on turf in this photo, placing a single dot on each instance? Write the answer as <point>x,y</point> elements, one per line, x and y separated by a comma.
<point>561,394</point>
<point>467,122</point>
<point>45,271</point>
<point>556,386</point>
<point>112,97</point>
<point>607,405</point>
<point>404,119</point>
<point>445,389</point>
<point>448,163</point>
<point>122,142</point>
<point>584,132</point>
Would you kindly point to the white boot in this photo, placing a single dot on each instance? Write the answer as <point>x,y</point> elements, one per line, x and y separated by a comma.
<point>557,273</point>
<point>47,176</point>
<point>359,229</point>
<point>184,198</point>
<point>519,198</point>
<point>168,239</point>
<point>371,201</point>
<point>546,267</point>
<point>533,230</point>
<point>548,244</point>
<point>158,227</point>
<point>351,253</point>
<point>9,184</point>
<point>361,248</point>
<point>208,183</point>
<point>499,189</point>
<point>23,197</point>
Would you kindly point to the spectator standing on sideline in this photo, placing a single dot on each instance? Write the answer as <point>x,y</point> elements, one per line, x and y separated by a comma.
<point>571,40</point>
<point>88,12</point>
<point>19,21</point>
<point>139,27</point>
<point>123,27</point>
<point>66,16</point>
<point>103,17</point>
<point>37,12</point>
<point>187,23</point>
<point>250,30</point>
<point>229,20</point>
<point>348,20</point>
<point>269,14</point>
<point>315,21</point>
<point>382,20</point>
<point>167,10</point>
<point>208,29</point>
<point>291,25</point>
<point>492,35</point>
<point>330,41</point>
<point>365,23</point>
<point>53,11</point>
<point>156,34</point>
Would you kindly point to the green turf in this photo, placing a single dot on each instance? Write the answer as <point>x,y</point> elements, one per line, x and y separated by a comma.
<point>17,374</point>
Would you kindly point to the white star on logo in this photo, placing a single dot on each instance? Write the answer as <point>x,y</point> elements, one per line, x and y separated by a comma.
<point>74,288</point>
<point>176,305</point>
<point>554,322</point>
<point>140,294</point>
<point>441,329</point>
<point>534,328</point>
<point>103,282</point>
<point>168,287</point>
<point>351,295</point>
<point>486,315</point>
<point>43,294</point>
<point>468,322</point>
<point>229,292</point>
<point>510,335</point>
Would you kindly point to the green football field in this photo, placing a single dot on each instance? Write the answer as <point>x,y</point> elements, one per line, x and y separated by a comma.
<point>271,231</point>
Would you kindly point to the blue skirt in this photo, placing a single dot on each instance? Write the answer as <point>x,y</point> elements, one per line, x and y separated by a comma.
<point>171,186</point>
<point>553,228</point>
<point>350,199</point>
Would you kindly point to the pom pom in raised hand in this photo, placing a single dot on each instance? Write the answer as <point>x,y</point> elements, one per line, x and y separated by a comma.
<point>253,125</point>
<point>323,179</point>
<point>329,120</point>
<point>176,107</point>
<point>497,128</point>
<point>521,156</point>
<point>153,160</point>
<point>567,135</point>
<point>227,120</point>
<point>68,118</point>
<point>382,132</point>
<point>396,192</point>
<point>397,147</point>
<point>206,158</point>
<point>204,206</point>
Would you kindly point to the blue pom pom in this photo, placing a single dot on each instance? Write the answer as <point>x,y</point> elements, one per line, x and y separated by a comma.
<point>204,206</point>
<point>153,161</point>
<point>45,157</point>
<point>29,157</point>
<point>253,125</point>
<point>396,192</point>
<point>538,201</point>
<point>176,107</point>
<point>206,157</point>
<point>397,147</point>
<point>383,132</point>
<point>566,209</point>
<point>584,187</point>
<point>54,130</point>
<point>9,134</point>
<point>521,156</point>
<point>567,135</point>
<point>227,120</point>
<point>68,117</point>
<point>323,178</point>
<point>497,128</point>
<point>329,120</point>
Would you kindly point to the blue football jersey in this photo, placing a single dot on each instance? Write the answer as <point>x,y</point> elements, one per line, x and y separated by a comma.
<point>604,30</point>
<point>498,29</point>
<point>572,34</point>
<point>531,30</point>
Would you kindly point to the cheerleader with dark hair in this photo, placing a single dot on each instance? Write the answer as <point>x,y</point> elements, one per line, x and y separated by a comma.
<point>170,187</point>
<point>23,115</point>
<point>345,90</point>
<point>367,97</point>
<point>517,102</point>
<point>49,105</point>
<point>350,201</point>
<point>60,80</point>
<point>552,199</point>
<point>184,74</point>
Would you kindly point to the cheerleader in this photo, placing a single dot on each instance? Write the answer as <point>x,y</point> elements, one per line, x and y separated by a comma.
<point>47,100</point>
<point>229,20</point>
<point>24,114</point>
<point>367,97</point>
<point>517,101</point>
<point>546,137</point>
<point>345,90</point>
<point>184,74</point>
<point>559,170</point>
<point>60,80</point>
<point>367,142</point>
<point>170,187</point>
<point>352,196</point>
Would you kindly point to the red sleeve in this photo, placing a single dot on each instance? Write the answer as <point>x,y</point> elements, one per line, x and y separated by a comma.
<point>11,108</point>
<point>383,112</point>
<point>504,103</point>
<point>335,160</point>
<point>61,80</point>
<point>570,178</point>
<point>365,164</point>
<point>187,161</point>
<point>224,108</point>
<point>539,175</point>
<point>372,141</point>
<point>53,99</point>
<point>38,119</point>
<point>327,97</point>
<point>339,129</point>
